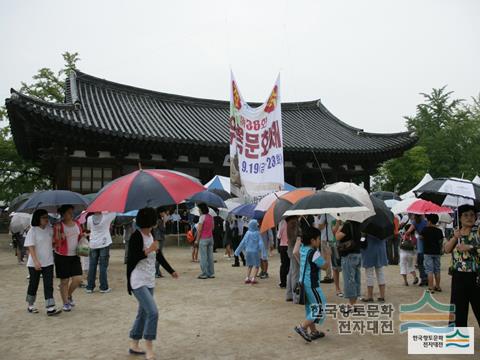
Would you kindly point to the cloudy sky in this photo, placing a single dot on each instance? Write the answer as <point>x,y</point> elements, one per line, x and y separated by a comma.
<point>366,60</point>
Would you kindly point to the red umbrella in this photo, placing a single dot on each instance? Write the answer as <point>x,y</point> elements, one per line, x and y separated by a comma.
<point>144,188</point>
<point>422,207</point>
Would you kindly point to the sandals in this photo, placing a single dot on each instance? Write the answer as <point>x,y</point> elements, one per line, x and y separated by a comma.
<point>340,294</point>
<point>303,333</point>
<point>317,335</point>
<point>381,300</point>
<point>437,289</point>
<point>415,282</point>
<point>135,352</point>
<point>366,300</point>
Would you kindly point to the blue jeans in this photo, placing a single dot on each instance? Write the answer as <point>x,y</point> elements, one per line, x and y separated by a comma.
<point>145,324</point>
<point>351,275</point>
<point>421,268</point>
<point>431,263</point>
<point>206,257</point>
<point>98,256</point>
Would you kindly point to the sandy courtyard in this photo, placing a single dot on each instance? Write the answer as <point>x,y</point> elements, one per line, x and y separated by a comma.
<point>199,319</point>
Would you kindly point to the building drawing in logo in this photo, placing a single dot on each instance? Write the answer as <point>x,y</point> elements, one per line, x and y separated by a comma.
<point>411,317</point>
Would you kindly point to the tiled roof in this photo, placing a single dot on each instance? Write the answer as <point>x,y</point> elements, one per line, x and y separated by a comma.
<point>135,114</point>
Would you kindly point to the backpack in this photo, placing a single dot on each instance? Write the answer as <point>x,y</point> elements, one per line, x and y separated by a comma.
<point>191,235</point>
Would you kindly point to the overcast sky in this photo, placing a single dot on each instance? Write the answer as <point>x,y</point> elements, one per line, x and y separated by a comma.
<point>366,60</point>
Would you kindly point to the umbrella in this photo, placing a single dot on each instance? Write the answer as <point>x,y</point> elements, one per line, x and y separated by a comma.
<point>90,196</point>
<point>476,180</point>
<point>402,206</point>
<point>450,192</point>
<point>326,202</point>
<point>222,193</point>
<point>196,211</point>
<point>268,200</point>
<point>422,207</point>
<point>410,194</point>
<point>18,201</point>
<point>19,222</point>
<point>288,187</point>
<point>51,200</point>
<point>230,205</point>
<point>208,198</point>
<point>142,188</point>
<point>247,210</point>
<point>358,193</point>
<point>386,195</point>
<point>391,202</point>
<point>219,182</point>
<point>381,224</point>
<point>274,213</point>
<point>189,177</point>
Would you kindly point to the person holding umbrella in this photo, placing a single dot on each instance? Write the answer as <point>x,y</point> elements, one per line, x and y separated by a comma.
<point>142,250</point>
<point>465,269</point>
<point>66,235</point>
<point>40,262</point>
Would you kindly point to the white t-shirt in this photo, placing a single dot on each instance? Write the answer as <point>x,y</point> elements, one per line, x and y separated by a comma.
<point>144,272</point>
<point>72,233</point>
<point>99,226</point>
<point>42,240</point>
<point>320,220</point>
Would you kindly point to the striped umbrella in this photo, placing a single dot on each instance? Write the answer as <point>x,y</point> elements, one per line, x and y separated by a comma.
<point>144,188</point>
<point>274,213</point>
<point>451,192</point>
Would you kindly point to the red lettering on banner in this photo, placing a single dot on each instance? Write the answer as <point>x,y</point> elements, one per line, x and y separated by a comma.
<point>239,137</point>
<point>251,145</point>
<point>271,138</point>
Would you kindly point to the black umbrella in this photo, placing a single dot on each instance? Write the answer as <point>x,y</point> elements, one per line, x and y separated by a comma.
<point>51,200</point>
<point>379,225</point>
<point>325,202</point>
<point>18,201</point>
<point>225,195</point>
<point>386,195</point>
<point>450,192</point>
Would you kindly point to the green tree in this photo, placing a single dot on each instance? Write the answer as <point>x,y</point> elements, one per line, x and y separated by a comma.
<point>17,175</point>
<point>449,134</point>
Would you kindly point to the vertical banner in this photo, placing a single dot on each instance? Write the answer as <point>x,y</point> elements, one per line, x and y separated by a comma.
<point>256,145</point>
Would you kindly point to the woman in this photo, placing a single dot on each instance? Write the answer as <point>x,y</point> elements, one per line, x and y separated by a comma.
<point>68,268</point>
<point>408,255</point>
<point>40,262</point>
<point>205,243</point>
<point>348,244</point>
<point>228,236</point>
<point>141,281</point>
<point>374,259</point>
<point>465,270</point>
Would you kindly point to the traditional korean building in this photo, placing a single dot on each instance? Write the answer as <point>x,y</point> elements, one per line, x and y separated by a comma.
<point>104,130</point>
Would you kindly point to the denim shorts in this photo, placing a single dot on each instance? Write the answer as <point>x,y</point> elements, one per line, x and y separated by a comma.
<point>432,264</point>
<point>351,275</point>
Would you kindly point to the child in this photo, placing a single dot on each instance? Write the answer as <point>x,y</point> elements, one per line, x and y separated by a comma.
<point>253,245</point>
<point>310,264</point>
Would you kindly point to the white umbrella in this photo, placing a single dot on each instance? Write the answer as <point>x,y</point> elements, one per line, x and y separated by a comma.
<point>268,200</point>
<point>358,193</point>
<point>402,206</point>
<point>390,202</point>
<point>231,204</point>
<point>19,222</point>
<point>196,211</point>
<point>411,194</point>
<point>444,218</point>
<point>476,180</point>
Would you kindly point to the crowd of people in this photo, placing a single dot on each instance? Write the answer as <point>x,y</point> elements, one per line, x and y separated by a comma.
<point>306,245</point>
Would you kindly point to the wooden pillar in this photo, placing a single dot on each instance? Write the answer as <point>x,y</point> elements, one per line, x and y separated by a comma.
<point>61,168</point>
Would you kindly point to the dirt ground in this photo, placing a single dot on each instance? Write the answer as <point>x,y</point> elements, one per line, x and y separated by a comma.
<point>218,318</point>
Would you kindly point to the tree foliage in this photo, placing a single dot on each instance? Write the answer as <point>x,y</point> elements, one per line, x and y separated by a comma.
<point>17,175</point>
<point>449,142</point>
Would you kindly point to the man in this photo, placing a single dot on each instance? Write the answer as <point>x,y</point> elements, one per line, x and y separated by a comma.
<point>237,238</point>
<point>159,235</point>
<point>417,226</point>
<point>283,251</point>
<point>98,226</point>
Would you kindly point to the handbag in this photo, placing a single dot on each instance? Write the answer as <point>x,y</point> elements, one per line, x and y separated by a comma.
<point>83,248</point>
<point>300,287</point>
<point>407,243</point>
<point>347,245</point>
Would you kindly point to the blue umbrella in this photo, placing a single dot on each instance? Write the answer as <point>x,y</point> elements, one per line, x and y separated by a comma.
<point>247,210</point>
<point>51,200</point>
<point>289,187</point>
<point>209,198</point>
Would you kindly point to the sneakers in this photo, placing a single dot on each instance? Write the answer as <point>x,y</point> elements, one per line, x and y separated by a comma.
<point>71,302</point>
<point>53,311</point>
<point>247,281</point>
<point>264,276</point>
<point>303,333</point>
<point>317,335</point>
<point>106,291</point>
<point>202,277</point>
<point>67,307</point>
<point>89,291</point>
<point>253,281</point>
<point>32,310</point>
